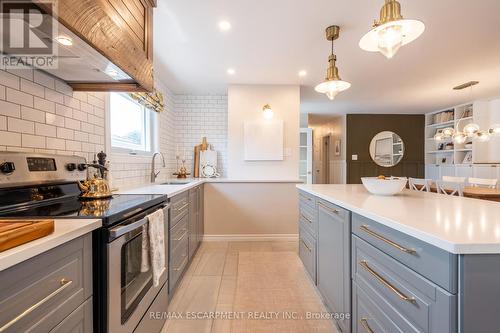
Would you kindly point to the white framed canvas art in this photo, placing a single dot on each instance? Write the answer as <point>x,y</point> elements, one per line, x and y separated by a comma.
<point>263,140</point>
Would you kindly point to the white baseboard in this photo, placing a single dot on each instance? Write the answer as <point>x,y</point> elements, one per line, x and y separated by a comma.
<point>251,237</point>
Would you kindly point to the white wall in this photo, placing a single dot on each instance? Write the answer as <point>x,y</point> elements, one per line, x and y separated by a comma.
<point>245,103</point>
<point>197,116</point>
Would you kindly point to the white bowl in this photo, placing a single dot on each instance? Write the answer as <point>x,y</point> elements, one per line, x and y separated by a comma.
<point>388,186</point>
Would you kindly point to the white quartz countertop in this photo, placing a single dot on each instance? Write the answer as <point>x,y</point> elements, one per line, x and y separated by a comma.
<point>64,231</point>
<point>455,224</point>
<point>171,190</point>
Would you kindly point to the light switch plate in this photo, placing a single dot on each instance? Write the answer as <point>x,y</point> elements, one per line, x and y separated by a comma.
<point>354,157</point>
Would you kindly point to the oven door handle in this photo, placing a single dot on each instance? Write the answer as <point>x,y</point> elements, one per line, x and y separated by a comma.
<point>122,230</point>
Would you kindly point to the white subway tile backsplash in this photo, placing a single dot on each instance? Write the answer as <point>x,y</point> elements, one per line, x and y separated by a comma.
<point>3,123</point>
<point>32,114</point>
<point>9,80</point>
<point>73,124</point>
<point>63,110</point>
<point>54,96</point>
<point>20,126</point>
<point>86,127</point>
<point>44,105</point>
<point>72,102</point>
<point>10,138</point>
<point>26,73</point>
<point>19,97</point>
<point>33,141</point>
<point>63,88</point>
<point>10,109</point>
<point>73,145</point>
<point>44,79</point>
<point>65,133</point>
<point>45,130</point>
<point>32,88</point>
<point>54,119</point>
<point>54,143</point>
<point>80,115</point>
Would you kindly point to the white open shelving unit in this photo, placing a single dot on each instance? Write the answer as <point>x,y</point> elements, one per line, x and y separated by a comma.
<point>448,159</point>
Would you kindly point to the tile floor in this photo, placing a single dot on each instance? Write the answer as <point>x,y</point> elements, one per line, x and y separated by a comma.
<point>246,287</point>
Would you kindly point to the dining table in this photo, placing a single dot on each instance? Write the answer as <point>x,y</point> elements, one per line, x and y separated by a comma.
<point>476,192</point>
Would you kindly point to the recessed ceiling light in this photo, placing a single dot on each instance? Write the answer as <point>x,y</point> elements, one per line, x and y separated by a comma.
<point>231,71</point>
<point>302,73</point>
<point>64,40</point>
<point>224,25</point>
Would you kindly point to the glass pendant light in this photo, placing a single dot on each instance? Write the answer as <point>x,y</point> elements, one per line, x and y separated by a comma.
<point>459,138</point>
<point>391,31</point>
<point>471,129</point>
<point>494,130</point>
<point>482,136</point>
<point>333,84</point>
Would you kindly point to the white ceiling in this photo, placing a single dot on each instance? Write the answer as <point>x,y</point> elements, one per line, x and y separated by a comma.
<point>271,40</point>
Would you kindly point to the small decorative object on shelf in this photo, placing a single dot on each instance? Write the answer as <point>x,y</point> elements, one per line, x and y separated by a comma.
<point>467,158</point>
<point>182,170</point>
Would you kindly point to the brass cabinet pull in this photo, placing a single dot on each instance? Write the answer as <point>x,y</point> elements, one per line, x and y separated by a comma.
<point>333,210</point>
<point>364,323</point>
<point>181,265</point>
<point>307,198</point>
<point>305,218</point>
<point>389,286</point>
<point>63,285</point>
<point>307,247</point>
<point>388,241</point>
<point>182,207</point>
<point>183,235</point>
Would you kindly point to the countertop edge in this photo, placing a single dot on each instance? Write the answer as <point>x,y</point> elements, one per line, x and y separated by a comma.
<point>62,234</point>
<point>454,248</point>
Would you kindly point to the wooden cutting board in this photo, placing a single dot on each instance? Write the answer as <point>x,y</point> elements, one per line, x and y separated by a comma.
<point>16,232</point>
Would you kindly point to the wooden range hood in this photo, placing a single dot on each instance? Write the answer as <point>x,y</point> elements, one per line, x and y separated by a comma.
<point>115,34</point>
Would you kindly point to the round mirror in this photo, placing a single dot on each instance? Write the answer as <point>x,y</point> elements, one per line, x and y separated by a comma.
<point>387,149</point>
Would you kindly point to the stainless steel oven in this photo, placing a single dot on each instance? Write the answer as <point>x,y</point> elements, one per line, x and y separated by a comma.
<point>130,282</point>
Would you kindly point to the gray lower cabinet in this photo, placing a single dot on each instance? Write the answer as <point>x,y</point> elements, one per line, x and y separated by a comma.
<point>307,252</point>
<point>194,211</point>
<point>51,292</point>
<point>333,277</point>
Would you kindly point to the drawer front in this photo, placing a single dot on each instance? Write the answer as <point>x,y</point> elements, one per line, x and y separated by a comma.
<point>179,207</point>
<point>369,317</point>
<point>79,321</point>
<point>427,306</point>
<point>435,264</point>
<point>178,233</point>
<point>308,219</point>
<point>307,253</point>
<point>39,293</point>
<point>307,199</point>
<point>337,211</point>
<point>178,262</point>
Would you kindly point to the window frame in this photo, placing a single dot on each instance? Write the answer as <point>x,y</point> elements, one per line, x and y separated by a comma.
<point>150,125</point>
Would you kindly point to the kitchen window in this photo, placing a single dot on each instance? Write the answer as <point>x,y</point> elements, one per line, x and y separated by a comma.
<point>133,126</point>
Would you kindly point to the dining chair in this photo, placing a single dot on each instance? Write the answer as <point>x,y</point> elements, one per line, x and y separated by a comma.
<point>450,188</point>
<point>483,182</point>
<point>451,179</point>
<point>417,184</point>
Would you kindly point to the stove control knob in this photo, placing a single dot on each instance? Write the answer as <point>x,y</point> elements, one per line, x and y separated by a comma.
<point>7,167</point>
<point>82,166</point>
<point>71,166</point>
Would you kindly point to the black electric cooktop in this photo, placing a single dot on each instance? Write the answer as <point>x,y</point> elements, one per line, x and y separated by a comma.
<point>62,201</point>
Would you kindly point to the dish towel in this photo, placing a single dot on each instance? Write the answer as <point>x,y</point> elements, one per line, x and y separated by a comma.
<point>156,235</point>
<point>145,249</point>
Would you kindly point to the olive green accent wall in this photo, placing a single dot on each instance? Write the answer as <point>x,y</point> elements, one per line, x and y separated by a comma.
<point>361,128</point>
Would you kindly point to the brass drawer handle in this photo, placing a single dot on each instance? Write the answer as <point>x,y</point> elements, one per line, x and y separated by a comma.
<point>63,285</point>
<point>182,207</point>
<point>181,265</point>
<point>333,210</point>
<point>388,241</point>
<point>307,198</point>
<point>307,247</point>
<point>364,323</point>
<point>389,286</point>
<point>305,218</point>
<point>183,235</point>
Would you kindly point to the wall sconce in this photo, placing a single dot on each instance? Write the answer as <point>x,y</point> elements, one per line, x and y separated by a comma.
<point>268,112</point>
